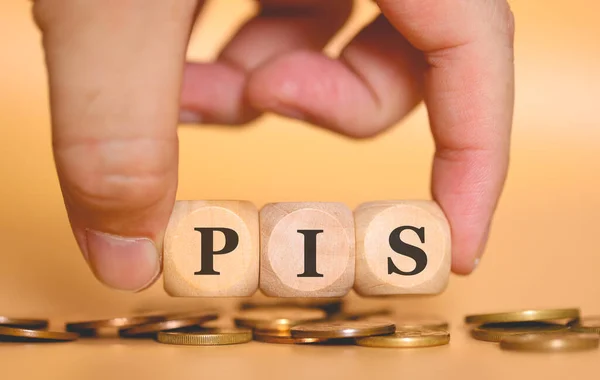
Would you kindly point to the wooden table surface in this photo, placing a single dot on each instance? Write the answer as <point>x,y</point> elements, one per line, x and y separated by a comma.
<point>543,250</point>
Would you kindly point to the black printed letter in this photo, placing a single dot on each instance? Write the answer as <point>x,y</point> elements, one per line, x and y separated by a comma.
<point>411,251</point>
<point>310,253</point>
<point>207,248</point>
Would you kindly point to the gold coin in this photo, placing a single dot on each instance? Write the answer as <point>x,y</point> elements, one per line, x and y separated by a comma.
<point>419,323</point>
<point>150,329</point>
<point>523,316</point>
<point>342,329</point>
<point>586,325</point>
<point>277,318</point>
<point>24,323</point>
<point>93,327</point>
<point>282,337</point>
<point>551,342</point>
<point>17,334</point>
<point>210,337</point>
<point>409,338</point>
<point>495,332</point>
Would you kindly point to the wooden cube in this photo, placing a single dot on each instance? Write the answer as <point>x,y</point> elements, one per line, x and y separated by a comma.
<point>402,247</point>
<point>211,249</point>
<point>307,249</point>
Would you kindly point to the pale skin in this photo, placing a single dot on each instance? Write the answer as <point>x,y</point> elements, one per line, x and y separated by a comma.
<point>119,86</point>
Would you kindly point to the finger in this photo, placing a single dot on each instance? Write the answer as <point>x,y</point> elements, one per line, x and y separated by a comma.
<point>376,81</point>
<point>469,91</point>
<point>214,92</point>
<point>114,72</point>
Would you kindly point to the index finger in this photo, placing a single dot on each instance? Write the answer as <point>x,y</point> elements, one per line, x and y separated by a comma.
<point>469,93</point>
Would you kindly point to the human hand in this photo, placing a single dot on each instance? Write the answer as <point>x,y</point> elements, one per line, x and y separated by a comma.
<point>118,86</point>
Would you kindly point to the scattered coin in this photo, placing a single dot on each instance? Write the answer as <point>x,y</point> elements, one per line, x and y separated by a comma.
<point>282,337</point>
<point>91,328</point>
<point>26,335</point>
<point>150,329</point>
<point>210,337</point>
<point>589,324</point>
<point>419,323</point>
<point>278,318</point>
<point>24,323</point>
<point>342,329</point>
<point>523,316</point>
<point>551,342</point>
<point>494,332</point>
<point>410,338</point>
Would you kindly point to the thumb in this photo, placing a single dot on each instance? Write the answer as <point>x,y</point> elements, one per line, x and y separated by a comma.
<point>114,72</point>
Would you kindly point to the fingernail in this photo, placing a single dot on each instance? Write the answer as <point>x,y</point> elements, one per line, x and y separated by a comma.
<point>189,117</point>
<point>476,263</point>
<point>129,264</point>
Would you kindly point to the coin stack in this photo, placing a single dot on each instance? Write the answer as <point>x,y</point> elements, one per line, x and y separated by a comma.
<point>31,330</point>
<point>544,330</point>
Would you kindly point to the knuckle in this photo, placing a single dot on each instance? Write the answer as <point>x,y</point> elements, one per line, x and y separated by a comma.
<point>117,174</point>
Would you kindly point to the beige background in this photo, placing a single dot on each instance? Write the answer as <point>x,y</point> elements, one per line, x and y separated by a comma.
<point>543,250</point>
